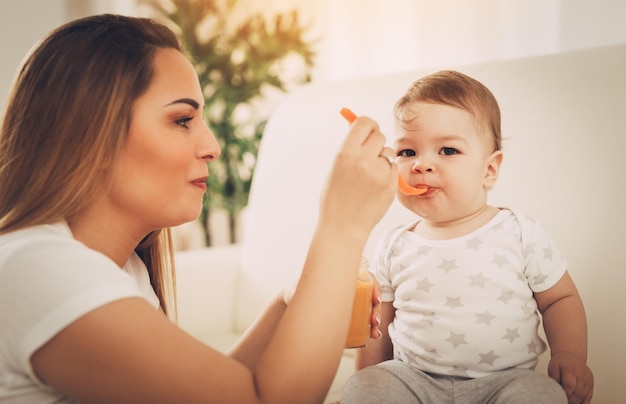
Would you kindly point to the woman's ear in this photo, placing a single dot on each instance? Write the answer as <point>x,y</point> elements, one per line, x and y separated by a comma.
<point>492,169</point>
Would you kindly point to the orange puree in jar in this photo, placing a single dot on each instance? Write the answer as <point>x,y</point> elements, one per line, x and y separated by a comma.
<point>359,331</point>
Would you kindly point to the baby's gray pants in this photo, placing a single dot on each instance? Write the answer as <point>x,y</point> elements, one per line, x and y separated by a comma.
<point>396,382</point>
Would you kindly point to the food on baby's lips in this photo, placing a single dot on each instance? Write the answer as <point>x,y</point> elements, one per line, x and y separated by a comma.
<point>409,190</point>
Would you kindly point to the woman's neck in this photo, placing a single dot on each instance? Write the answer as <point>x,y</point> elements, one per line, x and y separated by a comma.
<point>112,238</point>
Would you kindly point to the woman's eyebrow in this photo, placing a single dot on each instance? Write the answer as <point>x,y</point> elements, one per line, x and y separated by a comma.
<point>194,104</point>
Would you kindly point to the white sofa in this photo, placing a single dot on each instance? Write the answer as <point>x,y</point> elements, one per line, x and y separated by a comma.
<point>563,120</point>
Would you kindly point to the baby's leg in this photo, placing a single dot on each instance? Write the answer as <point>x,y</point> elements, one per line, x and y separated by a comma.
<point>394,382</point>
<point>518,386</point>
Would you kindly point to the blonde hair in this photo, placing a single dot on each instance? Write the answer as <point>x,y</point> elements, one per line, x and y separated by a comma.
<point>67,120</point>
<point>456,89</point>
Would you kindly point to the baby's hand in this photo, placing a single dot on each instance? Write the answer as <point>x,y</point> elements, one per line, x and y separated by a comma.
<point>376,310</point>
<point>573,375</point>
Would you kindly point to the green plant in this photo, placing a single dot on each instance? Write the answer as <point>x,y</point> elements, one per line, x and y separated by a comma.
<point>239,59</point>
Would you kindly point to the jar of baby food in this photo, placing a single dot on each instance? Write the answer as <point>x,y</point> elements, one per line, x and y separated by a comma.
<point>360,322</point>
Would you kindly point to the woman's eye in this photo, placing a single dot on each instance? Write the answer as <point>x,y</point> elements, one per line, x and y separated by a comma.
<point>183,121</point>
<point>406,153</point>
<point>448,151</point>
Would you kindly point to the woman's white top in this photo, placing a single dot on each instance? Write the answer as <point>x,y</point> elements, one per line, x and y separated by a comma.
<point>47,281</point>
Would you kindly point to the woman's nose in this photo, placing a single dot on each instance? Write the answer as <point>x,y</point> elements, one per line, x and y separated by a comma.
<point>209,148</point>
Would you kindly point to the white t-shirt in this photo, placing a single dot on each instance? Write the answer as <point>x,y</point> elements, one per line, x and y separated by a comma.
<point>47,281</point>
<point>465,306</point>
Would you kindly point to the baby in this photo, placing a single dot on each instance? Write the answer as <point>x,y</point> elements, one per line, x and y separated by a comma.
<point>463,285</point>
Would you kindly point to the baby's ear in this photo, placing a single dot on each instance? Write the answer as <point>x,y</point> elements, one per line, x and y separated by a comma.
<point>492,169</point>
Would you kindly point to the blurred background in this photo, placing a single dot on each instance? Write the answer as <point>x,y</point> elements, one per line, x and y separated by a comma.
<point>367,37</point>
<point>331,40</point>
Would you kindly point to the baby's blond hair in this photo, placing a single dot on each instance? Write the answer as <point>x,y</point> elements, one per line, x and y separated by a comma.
<point>456,89</point>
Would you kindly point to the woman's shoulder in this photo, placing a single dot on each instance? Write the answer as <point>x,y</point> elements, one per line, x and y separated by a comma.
<point>56,233</point>
<point>47,245</point>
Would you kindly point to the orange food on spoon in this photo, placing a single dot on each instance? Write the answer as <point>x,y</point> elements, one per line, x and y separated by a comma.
<point>409,190</point>
<point>348,115</point>
<point>402,185</point>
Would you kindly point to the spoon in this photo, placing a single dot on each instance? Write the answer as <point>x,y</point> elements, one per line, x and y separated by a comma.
<point>402,185</point>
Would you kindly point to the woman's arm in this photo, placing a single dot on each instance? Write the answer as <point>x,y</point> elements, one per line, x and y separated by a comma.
<point>249,348</point>
<point>126,351</point>
<point>253,342</point>
<point>565,325</point>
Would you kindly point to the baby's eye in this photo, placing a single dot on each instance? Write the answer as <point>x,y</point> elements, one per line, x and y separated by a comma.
<point>183,121</point>
<point>406,153</point>
<point>448,151</point>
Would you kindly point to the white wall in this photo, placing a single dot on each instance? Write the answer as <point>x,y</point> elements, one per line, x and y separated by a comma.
<point>24,22</point>
<point>371,37</point>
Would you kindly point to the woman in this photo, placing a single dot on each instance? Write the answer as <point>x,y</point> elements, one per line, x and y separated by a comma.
<point>103,148</point>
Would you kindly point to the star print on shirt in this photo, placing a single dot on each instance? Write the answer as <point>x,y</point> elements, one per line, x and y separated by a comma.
<point>432,353</point>
<point>505,296</point>
<point>453,302</point>
<point>533,348</point>
<point>448,265</point>
<point>478,280</point>
<point>484,317</point>
<point>424,285</point>
<point>529,249</point>
<point>456,339</point>
<point>474,243</point>
<point>429,318</point>
<point>528,310</point>
<point>500,260</point>
<point>399,245</point>
<point>424,250</point>
<point>511,334</point>
<point>402,266</point>
<point>488,358</point>
<point>547,253</point>
<point>539,279</point>
<point>481,289</point>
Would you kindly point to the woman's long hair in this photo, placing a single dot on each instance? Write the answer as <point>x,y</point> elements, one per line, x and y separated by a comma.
<point>67,120</point>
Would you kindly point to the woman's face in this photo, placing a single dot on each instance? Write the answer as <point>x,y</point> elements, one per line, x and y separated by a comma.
<point>161,176</point>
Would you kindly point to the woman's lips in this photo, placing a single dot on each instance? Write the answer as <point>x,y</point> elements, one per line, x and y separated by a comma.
<point>200,183</point>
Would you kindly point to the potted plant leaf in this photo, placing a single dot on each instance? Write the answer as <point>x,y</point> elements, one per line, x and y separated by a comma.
<point>240,58</point>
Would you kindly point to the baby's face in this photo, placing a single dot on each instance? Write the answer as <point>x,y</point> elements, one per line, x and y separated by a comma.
<point>442,147</point>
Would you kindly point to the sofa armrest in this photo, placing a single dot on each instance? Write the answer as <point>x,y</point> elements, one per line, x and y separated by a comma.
<point>206,284</point>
